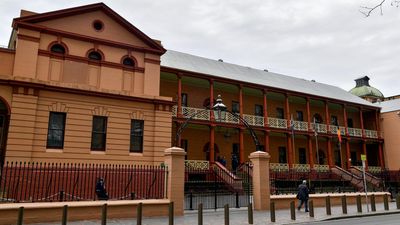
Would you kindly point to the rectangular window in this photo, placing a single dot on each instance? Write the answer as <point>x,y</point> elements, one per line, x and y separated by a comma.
<point>302,156</point>
<point>299,116</point>
<point>279,113</point>
<point>259,110</point>
<point>99,132</point>
<point>235,107</point>
<point>56,130</point>
<point>136,136</point>
<point>334,120</point>
<point>184,97</point>
<point>282,155</point>
<point>350,123</point>
<point>184,145</point>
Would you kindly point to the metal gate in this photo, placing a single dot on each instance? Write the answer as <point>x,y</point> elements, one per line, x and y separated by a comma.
<point>214,186</point>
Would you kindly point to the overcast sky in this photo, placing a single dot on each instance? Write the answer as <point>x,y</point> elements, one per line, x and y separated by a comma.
<point>325,40</point>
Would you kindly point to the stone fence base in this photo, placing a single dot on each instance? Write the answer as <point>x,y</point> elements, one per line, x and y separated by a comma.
<point>283,201</point>
<point>52,211</point>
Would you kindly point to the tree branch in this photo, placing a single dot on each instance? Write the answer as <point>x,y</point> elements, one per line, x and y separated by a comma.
<point>368,10</point>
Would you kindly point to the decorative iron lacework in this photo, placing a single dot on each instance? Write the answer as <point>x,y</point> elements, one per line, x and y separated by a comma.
<point>301,167</point>
<point>197,164</point>
<point>279,166</point>
<point>321,168</point>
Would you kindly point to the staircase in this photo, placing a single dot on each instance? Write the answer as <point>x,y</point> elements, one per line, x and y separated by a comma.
<point>234,182</point>
<point>354,179</point>
<point>371,179</point>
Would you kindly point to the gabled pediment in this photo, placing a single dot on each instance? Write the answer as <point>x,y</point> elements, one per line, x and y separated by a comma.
<point>79,21</point>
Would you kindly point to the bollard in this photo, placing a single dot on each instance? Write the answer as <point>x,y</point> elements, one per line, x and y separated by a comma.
<point>398,201</point>
<point>139,210</point>
<point>292,211</point>
<point>386,202</point>
<point>132,195</point>
<point>171,213</point>
<point>359,208</point>
<point>200,212</point>
<point>311,208</point>
<point>344,204</point>
<point>373,206</point>
<point>104,215</point>
<point>328,205</point>
<point>272,211</point>
<point>250,213</point>
<point>226,214</point>
<point>64,215</point>
<point>20,216</point>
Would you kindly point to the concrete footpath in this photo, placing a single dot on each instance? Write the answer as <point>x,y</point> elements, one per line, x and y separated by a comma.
<point>239,216</point>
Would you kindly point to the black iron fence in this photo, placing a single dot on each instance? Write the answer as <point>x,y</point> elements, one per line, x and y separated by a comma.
<point>214,186</point>
<point>33,182</point>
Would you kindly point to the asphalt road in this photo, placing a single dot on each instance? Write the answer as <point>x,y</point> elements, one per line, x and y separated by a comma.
<point>389,219</point>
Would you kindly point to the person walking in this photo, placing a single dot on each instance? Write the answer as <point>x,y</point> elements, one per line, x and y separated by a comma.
<point>302,195</point>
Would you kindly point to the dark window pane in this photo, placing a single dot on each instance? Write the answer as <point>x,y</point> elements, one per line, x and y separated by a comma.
<point>95,56</point>
<point>184,99</point>
<point>99,132</point>
<point>128,62</point>
<point>57,48</point>
<point>282,154</point>
<point>299,115</point>
<point>56,129</point>
<point>136,136</point>
<point>279,113</point>
<point>235,107</point>
<point>259,110</point>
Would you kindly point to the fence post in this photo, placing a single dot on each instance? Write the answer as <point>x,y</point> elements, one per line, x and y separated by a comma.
<point>328,205</point>
<point>344,204</point>
<point>272,211</point>
<point>359,208</point>
<point>226,214</point>
<point>64,215</point>
<point>104,215</point>
<point>175,160</point>
<point>398,201</point>
<point>200,214</point>
<point>139,214</point>
<point>261,189</point>
<point>311,208</point>
<point>292,211</point>
<point>171,213</point>
<point>20,216</point>
<point>61,196</point>
<point>386,202</point>
<point>373,206</point>
<point>250,213</point>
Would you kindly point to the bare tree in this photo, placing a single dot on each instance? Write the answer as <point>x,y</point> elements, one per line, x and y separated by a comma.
<point>367,10</point>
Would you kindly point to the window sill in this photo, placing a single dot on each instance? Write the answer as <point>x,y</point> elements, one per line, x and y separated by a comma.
<point>95,152</point>
<point>55,150</point>
<point>135,154</point>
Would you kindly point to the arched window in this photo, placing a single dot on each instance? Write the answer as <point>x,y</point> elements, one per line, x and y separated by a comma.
<point>95,56</point>
<point>57,48</point>
<point>128,62</point>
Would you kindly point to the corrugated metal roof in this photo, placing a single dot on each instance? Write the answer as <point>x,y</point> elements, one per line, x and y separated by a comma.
<point>389,106</point>
<point>192,63</point>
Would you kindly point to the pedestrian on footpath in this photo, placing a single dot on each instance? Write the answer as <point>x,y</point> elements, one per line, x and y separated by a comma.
<point>302,195</point>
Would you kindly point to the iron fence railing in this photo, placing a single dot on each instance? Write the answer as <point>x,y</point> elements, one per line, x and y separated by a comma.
<point>33,182</point>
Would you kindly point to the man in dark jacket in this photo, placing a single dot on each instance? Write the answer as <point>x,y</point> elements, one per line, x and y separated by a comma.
<point>302,195</point>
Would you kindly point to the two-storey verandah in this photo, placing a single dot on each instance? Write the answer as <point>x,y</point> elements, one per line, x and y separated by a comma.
<point>289,124</point>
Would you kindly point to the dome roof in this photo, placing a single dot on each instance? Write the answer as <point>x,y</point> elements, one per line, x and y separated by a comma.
<point>366,91</point>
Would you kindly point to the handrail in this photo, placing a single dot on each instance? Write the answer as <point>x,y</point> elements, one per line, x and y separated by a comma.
<point>368,177</point>
<point>229,178</point>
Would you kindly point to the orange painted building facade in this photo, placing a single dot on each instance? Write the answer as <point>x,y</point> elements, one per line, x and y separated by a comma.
<point>83,84</point>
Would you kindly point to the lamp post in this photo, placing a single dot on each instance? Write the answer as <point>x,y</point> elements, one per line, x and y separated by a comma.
<point>220,110</point>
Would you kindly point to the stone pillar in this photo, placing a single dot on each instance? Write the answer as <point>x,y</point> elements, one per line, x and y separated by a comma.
<point>261,189</point>
<point>175,161</point>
